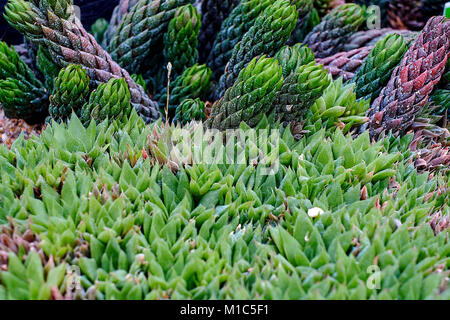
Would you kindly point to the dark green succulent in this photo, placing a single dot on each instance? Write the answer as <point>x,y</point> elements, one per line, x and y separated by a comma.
<point>339,107</point>
<point>214,12</point>
<point>233,29</point>
<point>70,92</point>
<point>181,39</point>
<point>141,32</point>
<point>291,58</point>
<point>190,109</point>
<point>250,97</point>
<point>110,100</point>
<point>299,91</point>
<point>377,68</point>
<point>269,33</point>
<point>22,95</point>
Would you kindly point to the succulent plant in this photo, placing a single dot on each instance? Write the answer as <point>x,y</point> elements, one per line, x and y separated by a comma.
<point>332,33</point>
<point>304,27</point>
<point>269,33</point>
<point>20,101</point>
<point>122,8</point>
<point>12,66</point>
<point>338,107</point>
<point>214,12</point>
<point>299,91</point>
<point>294,228</point>
<point>193,83</point>
<point>190,109</point>
<point>140,32</point>
<point>345,64</point>
<point>304,20</point>
<point>20,286</point>
<point>376,70</point>
<point>54,26</point>
<point>299,202</point>
<point>413,80</point>
<point>111,99</point>
<point>291,58</point>
<point>233,29</point>
<point>181,39</point>
<point>250,97</point>
<point>22,95</point>
<point>70,92</point>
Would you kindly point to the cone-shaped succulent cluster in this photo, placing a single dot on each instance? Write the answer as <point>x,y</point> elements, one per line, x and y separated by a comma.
<point>376,70</point>
<point>338,107</point>
<point>22,95</point>
<point>305,20</point>
<point>332,33</point>
<point>110,100</point>
<point>233,29</point>
<point>413,80</point>
<point>140,32</point>
<point>181,39</point>
<point>291,58</point>
<point>54,25</point>
<point>19,102</point>
<point>189,110</point>
<point>214,12</point>
<point>193,83</point>
<point>269,33</point>
<point>250,97</point>
<point>299,91</point>
<point>70,92</point>
<point>345,64</point>
<point>122,8</point>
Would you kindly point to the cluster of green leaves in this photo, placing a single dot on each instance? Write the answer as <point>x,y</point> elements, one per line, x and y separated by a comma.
<point>223,231</point>
<point>27,278</point>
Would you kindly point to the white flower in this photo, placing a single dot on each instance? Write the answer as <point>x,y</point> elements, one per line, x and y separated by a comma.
<point>315,212</point>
